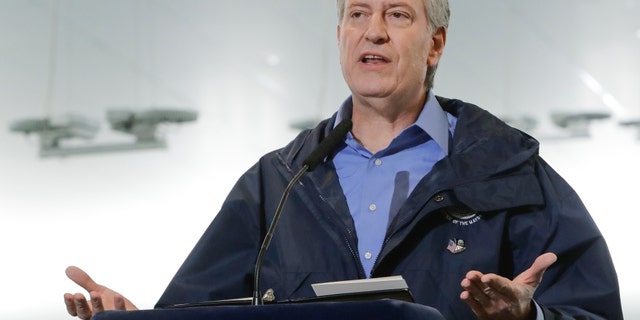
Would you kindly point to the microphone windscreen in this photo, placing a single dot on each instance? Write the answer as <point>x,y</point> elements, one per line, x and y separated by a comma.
<point>335,137</point>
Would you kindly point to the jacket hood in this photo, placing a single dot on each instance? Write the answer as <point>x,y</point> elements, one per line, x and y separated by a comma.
<point>484,145</point>
<point>491,165</point>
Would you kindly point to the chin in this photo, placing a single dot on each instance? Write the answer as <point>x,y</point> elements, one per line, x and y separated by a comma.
<point>372,91</point>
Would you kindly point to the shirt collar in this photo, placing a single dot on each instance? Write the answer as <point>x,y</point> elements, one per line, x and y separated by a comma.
<point>432,119</point>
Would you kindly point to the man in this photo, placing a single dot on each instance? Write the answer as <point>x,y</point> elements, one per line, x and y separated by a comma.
<point>436,190</point>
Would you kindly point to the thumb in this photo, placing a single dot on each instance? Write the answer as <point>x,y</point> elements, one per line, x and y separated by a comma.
<point>543,262</point>
<point>533,275</point>
<point>81,278</point>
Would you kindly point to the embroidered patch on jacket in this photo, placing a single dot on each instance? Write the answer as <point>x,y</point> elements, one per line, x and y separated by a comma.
<point>456,246</point>
<point>461,215</point>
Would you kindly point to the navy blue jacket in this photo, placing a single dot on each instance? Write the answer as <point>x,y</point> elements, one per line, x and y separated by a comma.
<point>493,191</point>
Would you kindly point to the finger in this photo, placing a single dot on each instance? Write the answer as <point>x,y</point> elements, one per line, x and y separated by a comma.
<point>472,286</point>
<point>473,275</point>
<point>81,278</point>
<point>118,302</point>
<point>82,307</point>
<point>533,275</point>
<point>496,286</point>
<point>71,305</point>
<point>543,262</point>
<point>476,289</point>
<point>472,279</point>
<point>96,302</point>
<point>474,304</point>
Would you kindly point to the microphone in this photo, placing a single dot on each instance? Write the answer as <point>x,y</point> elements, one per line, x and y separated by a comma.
<point>335,137</point>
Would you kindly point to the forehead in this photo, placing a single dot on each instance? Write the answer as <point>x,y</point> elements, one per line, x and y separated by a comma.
<point>416,4</point>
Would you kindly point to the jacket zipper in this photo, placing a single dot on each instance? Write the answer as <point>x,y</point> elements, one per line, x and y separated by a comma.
<point>354,254</point>
<point>349,232</point>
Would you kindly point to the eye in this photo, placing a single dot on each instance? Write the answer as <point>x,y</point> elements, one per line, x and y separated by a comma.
<point>399,15</point>
<point>356,14</point>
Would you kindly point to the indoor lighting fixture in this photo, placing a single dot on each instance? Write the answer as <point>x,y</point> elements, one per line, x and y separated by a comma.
<point>142,125</point>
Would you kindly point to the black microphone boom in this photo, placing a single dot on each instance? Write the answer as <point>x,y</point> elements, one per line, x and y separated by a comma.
<point>335,137</point>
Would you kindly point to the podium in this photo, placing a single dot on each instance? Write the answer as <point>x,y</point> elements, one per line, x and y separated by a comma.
<point>386,309</point>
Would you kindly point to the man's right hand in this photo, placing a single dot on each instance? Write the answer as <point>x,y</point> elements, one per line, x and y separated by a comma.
<point>102,298</point>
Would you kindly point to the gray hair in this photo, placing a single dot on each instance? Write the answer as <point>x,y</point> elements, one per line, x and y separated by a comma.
<point>438,16</point>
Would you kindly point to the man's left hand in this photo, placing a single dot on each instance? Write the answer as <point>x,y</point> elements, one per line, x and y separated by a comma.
<point>491,296</point>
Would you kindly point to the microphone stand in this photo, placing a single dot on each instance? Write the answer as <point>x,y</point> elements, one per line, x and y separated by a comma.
<point>257,295</point>
<point>322,150</point>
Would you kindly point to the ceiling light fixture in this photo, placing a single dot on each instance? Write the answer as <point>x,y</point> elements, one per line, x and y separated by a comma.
<point>577,123</point>
<point>142,125</point>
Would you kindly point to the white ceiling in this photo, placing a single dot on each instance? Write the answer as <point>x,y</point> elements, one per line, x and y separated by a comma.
<point>251,69</point>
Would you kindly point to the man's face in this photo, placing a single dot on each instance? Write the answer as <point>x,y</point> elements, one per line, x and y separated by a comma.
<point>385,47</point>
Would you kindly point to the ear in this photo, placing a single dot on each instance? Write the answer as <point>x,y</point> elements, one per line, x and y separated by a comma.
<point>438,40</point>
<point>338,34</point>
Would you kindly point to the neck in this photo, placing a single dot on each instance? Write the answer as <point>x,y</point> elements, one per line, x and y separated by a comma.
<point>376,122</point>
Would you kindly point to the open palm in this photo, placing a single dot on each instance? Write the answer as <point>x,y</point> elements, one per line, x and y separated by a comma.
<point>101,297</point>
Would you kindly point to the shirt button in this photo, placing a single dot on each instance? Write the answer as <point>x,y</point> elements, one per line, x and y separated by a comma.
<point>368,255</point>
<point>372,207</point>
<point>438,198</point>
<point>378,162</point>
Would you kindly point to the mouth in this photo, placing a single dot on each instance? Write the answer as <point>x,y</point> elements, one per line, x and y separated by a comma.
<point>373,59</point>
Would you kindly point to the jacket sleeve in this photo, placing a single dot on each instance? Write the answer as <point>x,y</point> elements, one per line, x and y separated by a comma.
<point>220,266</point>
<point>583,283</point>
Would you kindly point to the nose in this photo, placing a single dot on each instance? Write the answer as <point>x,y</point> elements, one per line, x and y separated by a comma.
<point>377,30</point>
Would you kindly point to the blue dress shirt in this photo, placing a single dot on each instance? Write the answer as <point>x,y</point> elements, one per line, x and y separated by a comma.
<point>376,185</point>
